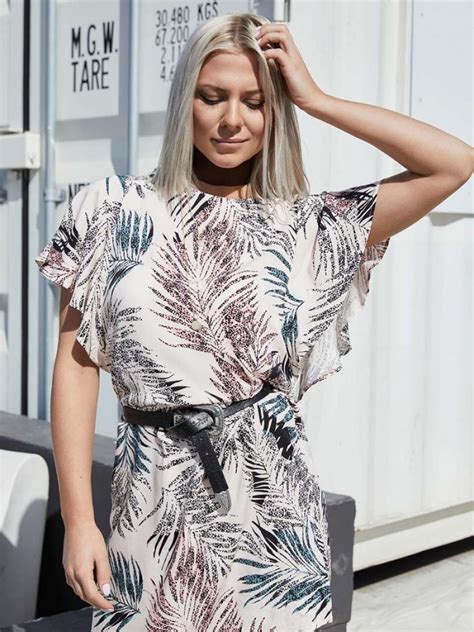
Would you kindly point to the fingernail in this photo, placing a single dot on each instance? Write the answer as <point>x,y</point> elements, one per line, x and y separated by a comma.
<point>106,589</point>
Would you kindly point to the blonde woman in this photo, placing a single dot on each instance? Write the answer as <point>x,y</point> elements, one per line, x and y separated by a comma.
<point>215,291</point>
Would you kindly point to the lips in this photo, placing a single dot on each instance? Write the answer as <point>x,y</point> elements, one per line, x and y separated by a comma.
<point>228,142</point>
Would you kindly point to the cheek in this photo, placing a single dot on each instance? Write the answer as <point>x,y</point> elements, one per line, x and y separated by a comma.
<point>199,119</point>
<point>257,127</point>
<point>258,122</point>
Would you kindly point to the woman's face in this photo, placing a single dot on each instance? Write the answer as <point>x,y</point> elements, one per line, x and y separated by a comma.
<point>231,109</point>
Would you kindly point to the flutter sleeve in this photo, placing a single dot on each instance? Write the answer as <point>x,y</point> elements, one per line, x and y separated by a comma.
<point>336,227</point>
<point>76,258</point>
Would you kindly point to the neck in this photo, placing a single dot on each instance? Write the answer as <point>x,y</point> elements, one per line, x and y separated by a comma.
<point>216,180</point>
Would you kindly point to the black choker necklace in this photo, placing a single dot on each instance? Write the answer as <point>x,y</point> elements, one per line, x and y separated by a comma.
<point>214,184</point>
<point>246,184</point>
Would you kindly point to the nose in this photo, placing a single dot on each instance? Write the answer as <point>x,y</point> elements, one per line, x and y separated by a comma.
<point>233,114</point>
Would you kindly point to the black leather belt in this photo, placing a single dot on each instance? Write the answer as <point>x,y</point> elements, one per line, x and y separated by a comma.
<point>198,422</point>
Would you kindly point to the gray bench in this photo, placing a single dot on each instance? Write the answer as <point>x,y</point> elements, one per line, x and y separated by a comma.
<point>58,608</point>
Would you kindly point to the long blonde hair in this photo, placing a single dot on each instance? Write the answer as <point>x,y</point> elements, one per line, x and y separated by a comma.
<point>277,172</point>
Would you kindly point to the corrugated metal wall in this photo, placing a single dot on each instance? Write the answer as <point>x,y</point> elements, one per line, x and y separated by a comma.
<point>393,428</point>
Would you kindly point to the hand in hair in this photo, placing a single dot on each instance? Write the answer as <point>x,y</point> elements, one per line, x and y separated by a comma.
<point>278,44</point>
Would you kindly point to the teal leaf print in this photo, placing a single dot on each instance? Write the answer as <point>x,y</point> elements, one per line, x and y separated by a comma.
<point>126,592</point>
<point>296,572</point>
<point>133,235</point>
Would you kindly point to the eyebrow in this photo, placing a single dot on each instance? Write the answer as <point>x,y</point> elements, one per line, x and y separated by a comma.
<point>210,85</point>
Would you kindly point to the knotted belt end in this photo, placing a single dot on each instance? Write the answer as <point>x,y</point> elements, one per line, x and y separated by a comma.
<point>187,422</point>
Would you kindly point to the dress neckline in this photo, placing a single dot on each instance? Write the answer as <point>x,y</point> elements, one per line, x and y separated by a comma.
<point>212,196</point>
<point>226,199</point>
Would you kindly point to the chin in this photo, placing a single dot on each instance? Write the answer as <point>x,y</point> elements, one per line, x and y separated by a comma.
<point>226,161</point>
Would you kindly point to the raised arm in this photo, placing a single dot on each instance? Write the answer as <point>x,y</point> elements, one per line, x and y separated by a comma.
<point>437,163</point>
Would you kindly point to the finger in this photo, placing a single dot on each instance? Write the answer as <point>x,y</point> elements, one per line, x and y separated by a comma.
<point>274,27</point>
<point>70,581</point>
<point>103,574</point>
<point>91,593</point>
<point>76,588</point>
<point>274,40</point>
<point>278,54</point>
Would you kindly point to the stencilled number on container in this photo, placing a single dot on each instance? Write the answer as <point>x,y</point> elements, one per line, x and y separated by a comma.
<point>172,33</point>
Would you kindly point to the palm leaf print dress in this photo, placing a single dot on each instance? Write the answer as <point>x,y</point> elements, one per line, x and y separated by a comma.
<point>201,299</point>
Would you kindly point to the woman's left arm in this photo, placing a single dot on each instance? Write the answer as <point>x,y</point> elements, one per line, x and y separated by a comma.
<point>437,163</point>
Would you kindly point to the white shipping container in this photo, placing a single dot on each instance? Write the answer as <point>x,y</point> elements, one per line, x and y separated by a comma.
<point>394,428</point>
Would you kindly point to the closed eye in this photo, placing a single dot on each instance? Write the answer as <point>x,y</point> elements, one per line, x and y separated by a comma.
<point>253,106</point>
